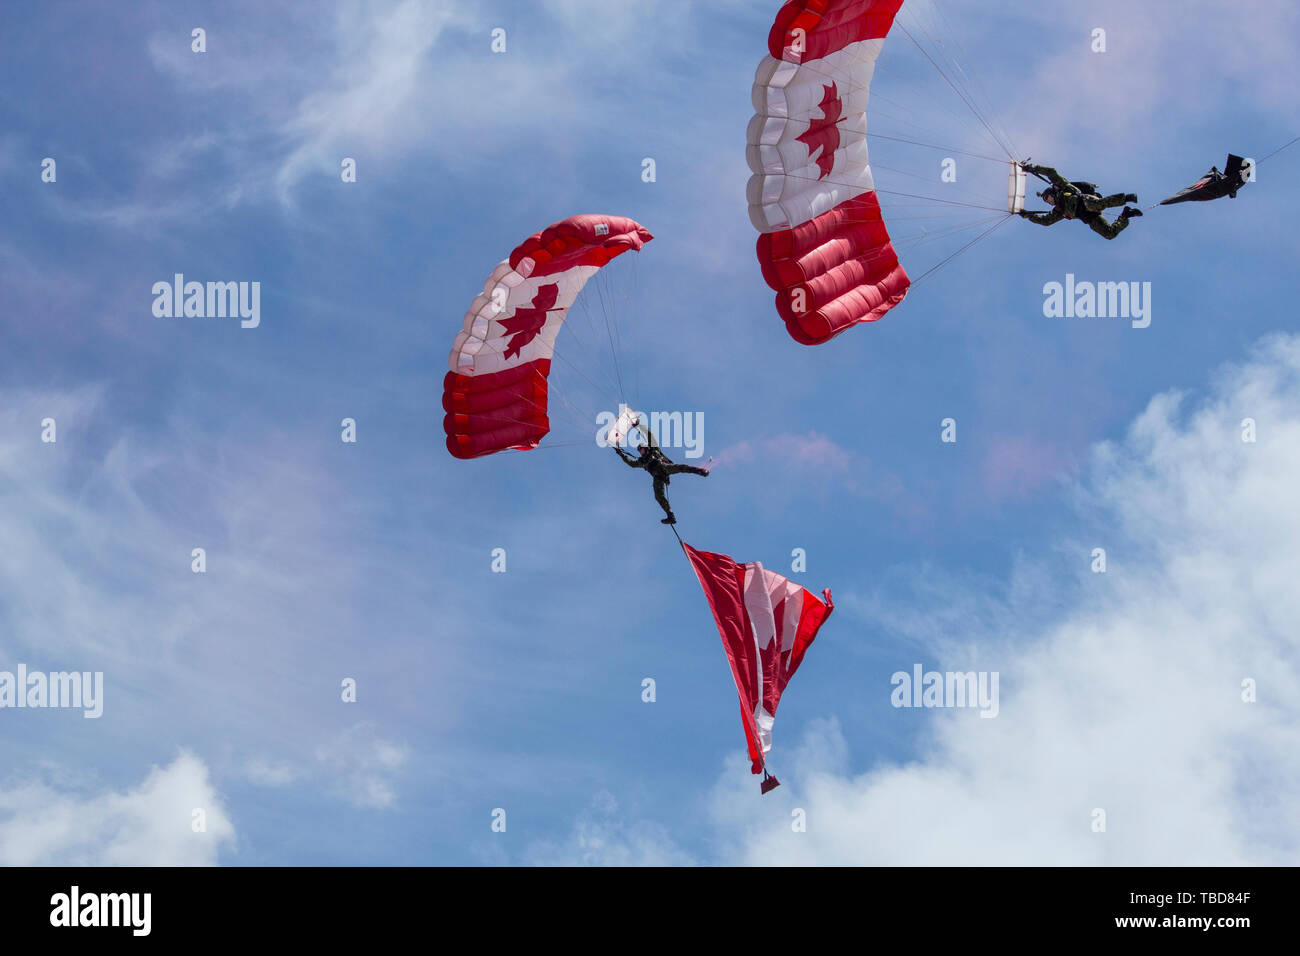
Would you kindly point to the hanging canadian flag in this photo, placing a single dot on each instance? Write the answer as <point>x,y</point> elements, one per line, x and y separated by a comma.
<point>767,623</point>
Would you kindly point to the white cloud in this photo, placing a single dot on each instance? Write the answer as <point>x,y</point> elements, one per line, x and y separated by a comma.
<point>374,95</point>
<point>150,825</point>
<point>602,836</point>
<point>363,766</point>
<point>269,773</point>
<point>1130,699</point>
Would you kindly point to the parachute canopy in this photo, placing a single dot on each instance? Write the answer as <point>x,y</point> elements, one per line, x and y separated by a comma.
<point>495,394</point>
<point>824,247</point>
<point>1215,184</point>
<point>767,623</point>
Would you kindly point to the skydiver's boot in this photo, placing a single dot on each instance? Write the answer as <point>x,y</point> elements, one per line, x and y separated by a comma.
<point>1131,197</point>
<point>1130,212</point>
<point>671,519</point>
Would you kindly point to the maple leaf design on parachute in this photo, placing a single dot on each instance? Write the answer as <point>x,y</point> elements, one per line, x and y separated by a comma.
<point>824,132</point>
<point>523,326</point>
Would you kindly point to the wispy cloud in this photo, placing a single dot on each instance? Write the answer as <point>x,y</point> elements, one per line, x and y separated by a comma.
<point>604,835</point>
<point>1015,467</point>
<point>363,765</point>
<point>813,450</point>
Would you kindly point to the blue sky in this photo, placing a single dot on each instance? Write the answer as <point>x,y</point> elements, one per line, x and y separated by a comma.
<point>522,690</point>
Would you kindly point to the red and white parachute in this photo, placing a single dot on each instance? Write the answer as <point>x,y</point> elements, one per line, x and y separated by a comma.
<point>495,394</point>
<point>767,623</point>
<point>824,247</point>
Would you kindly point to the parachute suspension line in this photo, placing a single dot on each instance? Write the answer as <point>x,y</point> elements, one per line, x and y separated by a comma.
<point>572,415</point>
<point>927,226</point>
<point>560,355</point>
<point>907,243</point>
<point>613,350</point>
<point>851,87</point>
<point>983,235</point>
<point>549,444</point>
<point>1278,150</point>
<point>607,297</point>
<point>611,384</point>
<point>934,25</point>
<point>556,352</point>
<point>636,366</point>
<point>947,149</point>
<point>956,61</point>
<point>516,421</point>
<point>960,118</point>
<point>947,202</point>
<point>924,239</point>
<point>562,358</point>
<point>882,116</point>
<point>888,192</point>
<point>895,217</point>
<point>964,98</point>
<point>865,88</point>
<point>572,327</point>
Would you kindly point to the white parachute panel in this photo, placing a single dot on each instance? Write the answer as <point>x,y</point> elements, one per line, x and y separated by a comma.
<point>1016,188</point>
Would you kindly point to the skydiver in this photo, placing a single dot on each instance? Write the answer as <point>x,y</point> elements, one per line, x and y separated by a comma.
<point>1079,200</point>
<point>661,468</point>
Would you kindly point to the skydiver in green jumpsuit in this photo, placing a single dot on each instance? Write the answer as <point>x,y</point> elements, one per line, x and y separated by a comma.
<point>661,468</point>
<point>1079,200</point>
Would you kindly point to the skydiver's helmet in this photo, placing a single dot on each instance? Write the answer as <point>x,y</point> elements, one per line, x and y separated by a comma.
<point>1048,195</point>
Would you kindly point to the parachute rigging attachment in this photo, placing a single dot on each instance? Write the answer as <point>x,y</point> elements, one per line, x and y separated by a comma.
<point>1016,188</point>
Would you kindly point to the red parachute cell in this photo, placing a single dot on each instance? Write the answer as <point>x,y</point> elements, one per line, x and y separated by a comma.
<point>495,395</point>
<point>824,247</point>
<point>767,623</point>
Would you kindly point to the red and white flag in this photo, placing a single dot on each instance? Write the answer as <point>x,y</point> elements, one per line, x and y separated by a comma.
<point>767,623</point>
